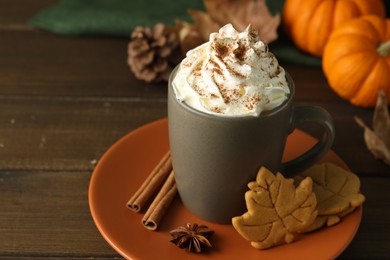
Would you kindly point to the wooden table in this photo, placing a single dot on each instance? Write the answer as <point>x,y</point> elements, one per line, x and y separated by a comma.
<point>64,101</point>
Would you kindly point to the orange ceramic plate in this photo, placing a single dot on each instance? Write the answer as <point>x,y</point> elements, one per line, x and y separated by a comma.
<point>126,164</point>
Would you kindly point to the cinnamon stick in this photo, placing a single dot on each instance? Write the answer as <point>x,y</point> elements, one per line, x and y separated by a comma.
<point>160,204</point>
<point>152,184</point>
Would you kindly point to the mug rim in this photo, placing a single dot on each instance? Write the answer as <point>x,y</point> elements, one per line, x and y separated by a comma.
<point>263,114</point>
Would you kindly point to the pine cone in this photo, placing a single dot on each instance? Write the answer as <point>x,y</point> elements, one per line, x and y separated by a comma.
<point>152,52</point>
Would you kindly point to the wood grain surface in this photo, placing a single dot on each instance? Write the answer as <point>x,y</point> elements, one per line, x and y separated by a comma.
<point>64,101</point>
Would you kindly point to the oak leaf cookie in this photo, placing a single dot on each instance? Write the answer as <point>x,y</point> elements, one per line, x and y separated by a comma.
<point>337,191</point>
<point>277,211</point>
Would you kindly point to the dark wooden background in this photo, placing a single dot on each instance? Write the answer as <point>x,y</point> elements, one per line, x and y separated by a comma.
<point>64,101</point>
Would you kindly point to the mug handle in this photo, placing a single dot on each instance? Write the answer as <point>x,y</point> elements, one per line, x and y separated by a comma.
<point>319,116</point>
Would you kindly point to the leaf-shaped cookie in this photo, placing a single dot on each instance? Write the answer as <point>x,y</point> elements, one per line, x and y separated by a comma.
<point>328,220</point>
<point>276,210</point>
<point>336,189</point>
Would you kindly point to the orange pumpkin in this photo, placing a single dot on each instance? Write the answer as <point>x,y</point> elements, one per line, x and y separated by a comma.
<point>310,22</point>
<point>356,60</point>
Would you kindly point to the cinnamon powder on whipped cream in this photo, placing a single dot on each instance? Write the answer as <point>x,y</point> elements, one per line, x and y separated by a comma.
<point>233,74</point>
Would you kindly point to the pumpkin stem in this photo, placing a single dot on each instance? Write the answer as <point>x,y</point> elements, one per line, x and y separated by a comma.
<point>384,49</point>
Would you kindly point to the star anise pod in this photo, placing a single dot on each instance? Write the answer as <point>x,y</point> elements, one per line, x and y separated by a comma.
<point>191,236</point>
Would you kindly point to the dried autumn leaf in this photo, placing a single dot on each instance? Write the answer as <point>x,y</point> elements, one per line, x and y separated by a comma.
<point>189,36</point>
<point>381,121</point>
<point>240,13</point>
<point>378,139</point>
<point>374,144</point>
<point>276,210</point>
<point>204,23</point>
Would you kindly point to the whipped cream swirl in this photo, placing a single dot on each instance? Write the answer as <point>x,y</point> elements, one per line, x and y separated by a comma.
<point>233,74</point>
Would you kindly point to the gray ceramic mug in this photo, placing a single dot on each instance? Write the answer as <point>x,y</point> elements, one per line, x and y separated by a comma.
<point>214,157</point>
